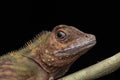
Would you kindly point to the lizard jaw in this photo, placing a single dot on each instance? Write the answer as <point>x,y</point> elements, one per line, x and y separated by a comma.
<point>77,47</point>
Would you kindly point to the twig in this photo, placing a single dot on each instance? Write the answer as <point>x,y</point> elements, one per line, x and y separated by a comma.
<point>95,71</point>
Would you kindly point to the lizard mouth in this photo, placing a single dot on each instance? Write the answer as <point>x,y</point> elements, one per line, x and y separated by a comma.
<point>77,47</point>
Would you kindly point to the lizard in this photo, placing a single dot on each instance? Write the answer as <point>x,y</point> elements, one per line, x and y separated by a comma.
<point>48,56</point>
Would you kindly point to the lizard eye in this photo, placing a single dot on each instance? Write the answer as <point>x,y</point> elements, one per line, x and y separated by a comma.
<point>61,35</point>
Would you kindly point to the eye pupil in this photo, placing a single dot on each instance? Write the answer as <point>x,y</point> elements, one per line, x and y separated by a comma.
<point>61,35</point>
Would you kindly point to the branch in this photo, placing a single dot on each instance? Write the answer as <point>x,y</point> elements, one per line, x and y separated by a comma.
<point>95,71</point>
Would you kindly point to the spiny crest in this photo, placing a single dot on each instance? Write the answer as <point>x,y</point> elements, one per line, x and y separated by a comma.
<point>38,40</point>
<point>11,52</point>
<point>7,55</point>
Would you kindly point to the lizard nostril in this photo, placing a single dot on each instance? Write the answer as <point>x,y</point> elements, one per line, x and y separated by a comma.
<point>86,36</point>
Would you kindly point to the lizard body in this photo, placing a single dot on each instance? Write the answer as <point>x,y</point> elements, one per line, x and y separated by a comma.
<point>48,57</point>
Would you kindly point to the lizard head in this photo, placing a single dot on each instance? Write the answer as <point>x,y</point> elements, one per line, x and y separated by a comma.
<point>65,44</point>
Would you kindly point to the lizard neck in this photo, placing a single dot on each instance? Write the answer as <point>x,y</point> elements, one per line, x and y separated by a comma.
<point>36,48</point>
<point>54,71</point>
<point>37,55</point>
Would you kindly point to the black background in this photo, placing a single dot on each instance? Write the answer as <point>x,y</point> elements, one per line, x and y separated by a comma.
<point>22,20</point>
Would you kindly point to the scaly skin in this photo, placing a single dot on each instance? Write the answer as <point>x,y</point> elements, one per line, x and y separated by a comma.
<point>47,57</point>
